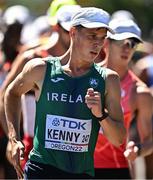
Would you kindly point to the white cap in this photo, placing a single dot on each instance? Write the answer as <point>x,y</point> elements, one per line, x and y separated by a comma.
<point>41,24</point>
<point>122,14</point>
<point>33,30</point>
<point>16,13</point>
<point>91,17</point>
<point>124,28</point>
<point>64,15</point>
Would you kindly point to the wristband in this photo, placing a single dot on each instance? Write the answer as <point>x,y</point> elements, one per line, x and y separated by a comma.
<point>104,116</point>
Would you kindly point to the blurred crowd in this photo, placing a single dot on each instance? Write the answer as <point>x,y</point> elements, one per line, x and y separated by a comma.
<point>24,37</point>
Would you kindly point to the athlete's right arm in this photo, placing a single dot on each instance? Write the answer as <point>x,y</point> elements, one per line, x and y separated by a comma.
<point>16,68</point>
<point>32,73</point>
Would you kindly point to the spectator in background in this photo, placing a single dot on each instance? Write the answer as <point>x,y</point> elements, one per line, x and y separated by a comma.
<point>144,66</point>
<point>112,162</point>
<point>144,69</point>
<point>120,14</point>
<point>36,32</point>
<point>55,5</point>
<point>14,18</point>
<point>3,72</point>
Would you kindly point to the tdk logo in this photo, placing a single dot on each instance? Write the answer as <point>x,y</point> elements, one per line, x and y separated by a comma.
<point>56,122</point>
<point>69,124</point>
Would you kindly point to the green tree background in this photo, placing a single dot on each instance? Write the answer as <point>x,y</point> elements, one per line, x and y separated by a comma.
<point>141,9</point>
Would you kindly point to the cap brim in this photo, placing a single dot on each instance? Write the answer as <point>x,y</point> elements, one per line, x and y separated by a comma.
<point>97,25</point>
<point>125,35</point>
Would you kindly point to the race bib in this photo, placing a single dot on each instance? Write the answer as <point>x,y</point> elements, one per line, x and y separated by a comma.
<point>67,134</point>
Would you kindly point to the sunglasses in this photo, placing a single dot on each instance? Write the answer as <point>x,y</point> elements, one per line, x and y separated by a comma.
<point>126,43</point>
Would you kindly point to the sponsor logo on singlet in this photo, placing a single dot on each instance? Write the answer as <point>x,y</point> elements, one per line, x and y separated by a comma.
<point>67,134</point>
<point>55,80</point>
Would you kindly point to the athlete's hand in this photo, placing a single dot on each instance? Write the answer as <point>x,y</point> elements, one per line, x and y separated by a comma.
<point>93,101</point>
<point>17,154</point>
<point>131,151</point>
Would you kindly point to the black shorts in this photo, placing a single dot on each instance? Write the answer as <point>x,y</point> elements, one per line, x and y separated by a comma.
<point>116,173</point>
<point>35,170</point>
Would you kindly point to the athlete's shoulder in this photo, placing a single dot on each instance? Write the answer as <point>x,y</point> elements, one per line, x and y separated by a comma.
<point>111,72</point>
<point>112,81</point>
<point>112,75</point>
<point>35,64</point>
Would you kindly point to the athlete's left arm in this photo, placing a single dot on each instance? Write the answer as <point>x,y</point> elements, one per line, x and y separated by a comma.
<point>144,108</point>
<point>113,125</point>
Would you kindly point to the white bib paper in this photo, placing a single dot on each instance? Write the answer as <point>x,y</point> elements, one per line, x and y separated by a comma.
<point>67,134</point>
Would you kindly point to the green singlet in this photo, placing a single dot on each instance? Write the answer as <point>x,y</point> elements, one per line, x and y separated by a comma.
<point>65,129</point>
